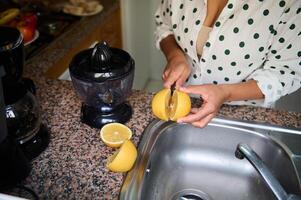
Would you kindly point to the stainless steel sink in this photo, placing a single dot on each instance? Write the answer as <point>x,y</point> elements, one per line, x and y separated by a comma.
<point>179,161</point>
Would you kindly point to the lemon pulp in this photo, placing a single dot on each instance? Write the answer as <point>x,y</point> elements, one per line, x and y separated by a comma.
<point>114,134</point>
<point>167,107</point>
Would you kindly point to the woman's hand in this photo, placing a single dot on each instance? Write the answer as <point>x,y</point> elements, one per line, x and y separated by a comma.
<point>176,71</point>
<point>213,97</point>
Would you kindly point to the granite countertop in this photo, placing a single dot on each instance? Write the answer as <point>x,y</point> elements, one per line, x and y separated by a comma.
<point>73,165</point>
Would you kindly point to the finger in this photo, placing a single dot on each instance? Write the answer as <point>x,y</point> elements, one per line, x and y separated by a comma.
<point>202,113</point>
<point>194,89</point>
<point>194,110</point>
<point>171,78</point>
<point>204,122</point>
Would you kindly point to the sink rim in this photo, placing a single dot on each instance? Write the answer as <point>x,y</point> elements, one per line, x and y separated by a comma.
<point>262,130</point>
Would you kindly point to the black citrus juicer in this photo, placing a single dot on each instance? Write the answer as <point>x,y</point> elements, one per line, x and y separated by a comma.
<point>103,77</point>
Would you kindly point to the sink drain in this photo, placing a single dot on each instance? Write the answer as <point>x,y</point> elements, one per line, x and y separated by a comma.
<point>191,194</point>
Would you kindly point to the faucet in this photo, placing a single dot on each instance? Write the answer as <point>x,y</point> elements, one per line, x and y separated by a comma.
<point>244,151</point>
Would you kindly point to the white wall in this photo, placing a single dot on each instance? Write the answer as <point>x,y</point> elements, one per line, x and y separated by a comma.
<point>138,39</point>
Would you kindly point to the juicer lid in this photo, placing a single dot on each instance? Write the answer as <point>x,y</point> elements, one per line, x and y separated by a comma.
<point>10,38</point>
<point>101,63</point>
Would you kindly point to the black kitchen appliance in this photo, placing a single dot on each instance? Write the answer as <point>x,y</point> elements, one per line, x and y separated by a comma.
<point>22,111</point>
<point>103,77</point>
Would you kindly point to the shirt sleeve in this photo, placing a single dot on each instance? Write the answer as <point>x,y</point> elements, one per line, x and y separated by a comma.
<point>281,71</point>
<point>163,22</point>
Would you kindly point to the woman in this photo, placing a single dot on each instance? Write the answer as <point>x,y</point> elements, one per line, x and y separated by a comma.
<point>236,52</point>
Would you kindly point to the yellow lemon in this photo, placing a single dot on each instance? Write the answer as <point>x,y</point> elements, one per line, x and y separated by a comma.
<point>165,106</point>
<point>114,134</point>
<point>124,158</point>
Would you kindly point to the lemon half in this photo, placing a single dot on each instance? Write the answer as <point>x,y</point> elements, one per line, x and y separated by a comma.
<point>114,134</point>
<point>167,107</point>
<point>123,159</point>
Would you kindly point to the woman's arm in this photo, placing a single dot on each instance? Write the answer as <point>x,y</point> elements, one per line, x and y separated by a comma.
<point>214,96</point>
<point>177,69</point>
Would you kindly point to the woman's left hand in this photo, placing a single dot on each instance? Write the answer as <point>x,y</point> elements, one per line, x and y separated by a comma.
<point>213,97</point>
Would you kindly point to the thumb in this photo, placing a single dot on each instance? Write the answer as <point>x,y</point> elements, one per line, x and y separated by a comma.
<point>192,89</point>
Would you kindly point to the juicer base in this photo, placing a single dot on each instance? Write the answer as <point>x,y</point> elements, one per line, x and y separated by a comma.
<point>97,119</point>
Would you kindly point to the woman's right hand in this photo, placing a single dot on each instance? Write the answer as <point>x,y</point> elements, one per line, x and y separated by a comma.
<point>176,71</point>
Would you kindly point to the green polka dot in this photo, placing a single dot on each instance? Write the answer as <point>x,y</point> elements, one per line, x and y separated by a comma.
<point>278,57</point>
<point>298,11</point>
<point>230,6</point>
<point>157,16</point>
<point>247,56</point>
<point>214,57</point>
<point>197,22</point>
<point>179,38</point>
<point>256,36</point>
<point>221,38</point>
<point>186,30</point>
<point>217,24</point>
<point>233,63</point>
<point>238,73</point>
<point>283,84</point>
<point>183,17</point>
<point>214,82</point>
<point>209,71</point>
<point>299,53</point>
<point>282,72</point>
<point>195,10</point>
<point>226,79</point>
<point>194,76</point>
<point>273,67</point>
<point>250,21</point>
<point>246,7</point>
<point>282,3</point>
<point>181,6</point>
<point>261,49</point>
<point>289,46</point>
<point>293,73</point>
<point>220,68</point>
<point>203,60</point>
<point>266,12</point>
<point>287,10</point>
<point>167,10</point>
<point>185,49</point>
<point>273,51</point>
<point>281,40</point>
<point>170,14</point>
<point>292,26</point>
<point>191,42</point>
<point>271,28</point>
<point>231,17</point>
<point>286,66</point>
<point>227,51</point>
<point>235,30</point>
<point>241,44</point>
<point>174,26</point>
<point>250,64</point>
<point>208,44</point>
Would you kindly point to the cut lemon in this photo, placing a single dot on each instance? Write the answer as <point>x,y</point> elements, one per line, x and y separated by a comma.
<point>167,107</point>
<point>124,158</point>
<point>114,134</point>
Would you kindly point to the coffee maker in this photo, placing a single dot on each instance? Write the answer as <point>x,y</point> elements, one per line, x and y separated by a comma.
<point>22,111</point>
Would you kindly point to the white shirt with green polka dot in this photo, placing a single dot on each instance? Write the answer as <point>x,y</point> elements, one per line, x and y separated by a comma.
<point>251,39</point>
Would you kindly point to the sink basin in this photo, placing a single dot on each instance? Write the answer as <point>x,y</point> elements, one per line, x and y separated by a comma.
<point>179,161</point>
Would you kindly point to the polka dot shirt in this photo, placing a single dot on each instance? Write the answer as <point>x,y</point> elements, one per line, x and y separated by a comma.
<point>251,39</point>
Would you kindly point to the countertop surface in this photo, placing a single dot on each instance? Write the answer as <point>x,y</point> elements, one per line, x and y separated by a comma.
<point>73,165</point>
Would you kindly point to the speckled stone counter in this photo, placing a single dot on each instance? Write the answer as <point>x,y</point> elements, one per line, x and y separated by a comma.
<point>73,165</point>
